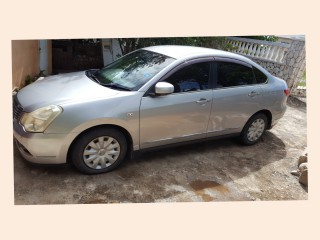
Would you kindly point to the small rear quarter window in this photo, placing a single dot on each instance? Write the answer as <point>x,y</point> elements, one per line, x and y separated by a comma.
<point>260,77</point>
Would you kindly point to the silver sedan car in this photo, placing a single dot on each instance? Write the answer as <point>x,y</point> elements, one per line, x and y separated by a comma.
<point>152,97</point>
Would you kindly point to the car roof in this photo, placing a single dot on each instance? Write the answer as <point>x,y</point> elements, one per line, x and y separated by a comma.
<point>180,52</point>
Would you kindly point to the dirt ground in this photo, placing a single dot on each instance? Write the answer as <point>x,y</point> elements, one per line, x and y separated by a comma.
<point>220,170</point>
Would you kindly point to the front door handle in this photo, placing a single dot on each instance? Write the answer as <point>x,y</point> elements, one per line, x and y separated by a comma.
<point>202,101</point>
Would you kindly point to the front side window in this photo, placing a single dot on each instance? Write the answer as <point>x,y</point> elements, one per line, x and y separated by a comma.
<point>194,77</point>
<point>232,74</point>
<point>133,70</point>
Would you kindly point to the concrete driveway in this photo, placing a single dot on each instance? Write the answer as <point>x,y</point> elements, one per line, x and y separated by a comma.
<point>221,170</point>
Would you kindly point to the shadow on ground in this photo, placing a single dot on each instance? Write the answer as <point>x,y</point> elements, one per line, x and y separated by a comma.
<point>154,176</point>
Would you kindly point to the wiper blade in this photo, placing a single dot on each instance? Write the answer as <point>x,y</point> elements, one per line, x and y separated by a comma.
<point>116,86</point>
<point>95,78</point>
<point>90,74</point>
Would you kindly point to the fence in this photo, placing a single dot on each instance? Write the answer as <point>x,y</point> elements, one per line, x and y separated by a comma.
<point>285,60</point>
<point>257,49</point>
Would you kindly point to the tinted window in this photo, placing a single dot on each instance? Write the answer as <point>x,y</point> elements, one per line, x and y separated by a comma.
<point>233,74</point>
<point>191,78</point>
<point>260,77</point>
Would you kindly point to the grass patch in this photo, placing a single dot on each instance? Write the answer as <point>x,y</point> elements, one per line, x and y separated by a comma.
<point>302,83</point>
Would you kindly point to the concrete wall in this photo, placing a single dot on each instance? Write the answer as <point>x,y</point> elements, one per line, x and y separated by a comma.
<point>25,60</point>
<point>291,70</point>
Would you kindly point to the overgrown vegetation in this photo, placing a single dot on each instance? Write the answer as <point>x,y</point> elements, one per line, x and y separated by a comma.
<point>30,79</point>
<point>302,82</point>
<point>270,38</point>
<point>130,44</point>
<point>304,76</point>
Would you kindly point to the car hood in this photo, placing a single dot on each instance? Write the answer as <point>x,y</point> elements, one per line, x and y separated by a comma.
<point>60,89</point>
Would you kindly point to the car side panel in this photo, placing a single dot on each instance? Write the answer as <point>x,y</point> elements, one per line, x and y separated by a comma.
<point>174,118</point>
<point>274,98</point>
<point>232,107</point>
<point>122,111</point>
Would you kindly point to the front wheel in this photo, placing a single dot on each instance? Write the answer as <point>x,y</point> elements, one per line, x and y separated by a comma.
<point>254,129</point>
<point>99,150</point>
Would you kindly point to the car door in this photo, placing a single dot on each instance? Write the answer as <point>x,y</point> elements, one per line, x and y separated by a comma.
<point>236,96</point>
<point>182,115</point>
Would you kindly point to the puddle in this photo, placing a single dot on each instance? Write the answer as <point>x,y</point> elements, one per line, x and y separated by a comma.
<point>199,187</point>
<point>127,173</point>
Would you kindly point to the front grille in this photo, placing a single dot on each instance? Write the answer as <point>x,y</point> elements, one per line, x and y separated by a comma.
<point>17,108</point>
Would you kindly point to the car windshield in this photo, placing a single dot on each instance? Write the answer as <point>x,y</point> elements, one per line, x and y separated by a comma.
<point>132,71</point>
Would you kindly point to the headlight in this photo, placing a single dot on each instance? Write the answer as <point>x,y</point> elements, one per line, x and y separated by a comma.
<point>39,120</point>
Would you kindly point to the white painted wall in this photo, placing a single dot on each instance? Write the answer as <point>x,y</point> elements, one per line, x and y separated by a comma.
<point>43,56</point>
<point>111,50</point>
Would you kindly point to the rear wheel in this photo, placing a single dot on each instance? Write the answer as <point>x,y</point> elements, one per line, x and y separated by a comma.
<point>98,151</point>
<point>254,129</point>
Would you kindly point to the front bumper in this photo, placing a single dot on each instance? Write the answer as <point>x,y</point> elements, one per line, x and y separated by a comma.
<point>40,147</point>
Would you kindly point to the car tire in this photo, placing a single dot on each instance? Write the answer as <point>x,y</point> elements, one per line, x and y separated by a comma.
<point>99,150</point>
<point>254,129</point>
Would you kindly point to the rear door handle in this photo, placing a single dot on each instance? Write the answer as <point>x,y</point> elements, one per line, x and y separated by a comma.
<point>253,93</point>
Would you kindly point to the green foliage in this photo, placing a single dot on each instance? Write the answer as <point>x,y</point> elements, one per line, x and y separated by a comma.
<point>229,47</point>
<point>130,44</point>
<point>303,80</point>
<point>30,79</point>
<point>270,38</point>
<point>304,76</point>
<point>302,83</point>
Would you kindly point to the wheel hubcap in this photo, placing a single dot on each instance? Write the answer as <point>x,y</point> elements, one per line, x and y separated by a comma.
<point>255,130</point>
<point>101,152</point>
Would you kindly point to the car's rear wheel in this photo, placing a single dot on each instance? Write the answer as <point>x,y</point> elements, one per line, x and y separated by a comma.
<point>254,129</point>
<point>98,151</point>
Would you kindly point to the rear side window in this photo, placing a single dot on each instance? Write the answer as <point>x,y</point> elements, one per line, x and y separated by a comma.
<point>191,78</point>
<point>260,77</point>
<point>232,74</point>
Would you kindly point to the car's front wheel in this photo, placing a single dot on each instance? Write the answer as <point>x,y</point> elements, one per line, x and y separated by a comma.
<point>254,129</point>
<point>99,150</point>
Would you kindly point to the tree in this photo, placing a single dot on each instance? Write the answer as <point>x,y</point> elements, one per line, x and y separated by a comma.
<point>270,38</point>
<point>130,44</point>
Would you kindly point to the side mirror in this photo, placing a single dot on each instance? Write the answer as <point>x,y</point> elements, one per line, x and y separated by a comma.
<point>163,88</point>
